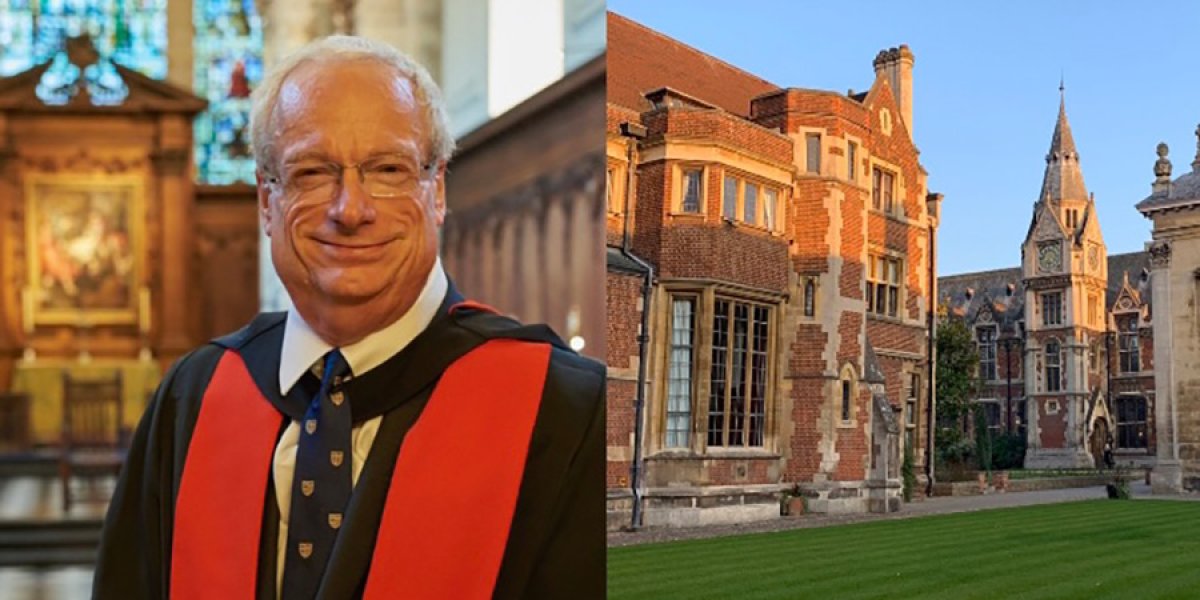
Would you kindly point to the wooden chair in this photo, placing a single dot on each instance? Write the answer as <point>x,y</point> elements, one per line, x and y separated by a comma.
<point>92,437</point>
<point>14,421</point>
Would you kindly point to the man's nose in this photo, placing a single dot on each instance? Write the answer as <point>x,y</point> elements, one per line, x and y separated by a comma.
<point>353,206</point>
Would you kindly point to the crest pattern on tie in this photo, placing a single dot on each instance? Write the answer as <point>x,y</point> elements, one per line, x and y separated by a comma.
<point>320,486</point>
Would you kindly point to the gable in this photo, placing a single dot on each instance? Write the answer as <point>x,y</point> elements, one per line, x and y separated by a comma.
<point>1046,225</point>
<point>881,97</point>
<point>19,92</point>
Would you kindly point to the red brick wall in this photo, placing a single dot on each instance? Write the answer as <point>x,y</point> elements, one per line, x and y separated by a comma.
<point>1053,428</point>
<point>736,255</point>
<point>624,320</point>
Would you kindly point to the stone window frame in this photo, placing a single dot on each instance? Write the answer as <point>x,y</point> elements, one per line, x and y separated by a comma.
<point>1142,406</point>
<point>739,206</point>
<point>677,179</point>
<point>1058,366</point>
<point>615,181</point>
<point>1131,355</point>
<point>1071,217</point>
<point>852,170</point>
<point>688,435</point>
<point>872,281</point>
<point>912,410</point>
<point>808,296</point>
<point>993,347</point>
<point>1043,305</point>
<point>812,161</point>
<point>847,379</point>
<point>1053,406</point>
<point>707,294</point>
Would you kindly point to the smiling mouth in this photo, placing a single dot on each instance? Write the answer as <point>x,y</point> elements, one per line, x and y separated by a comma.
<point>353,251</point>
<point>353,245</point>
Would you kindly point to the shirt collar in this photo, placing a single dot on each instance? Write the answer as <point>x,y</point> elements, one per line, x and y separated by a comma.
<point>302,346</point>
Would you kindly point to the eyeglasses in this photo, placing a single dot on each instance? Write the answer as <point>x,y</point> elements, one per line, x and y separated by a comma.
<point>389,176</point>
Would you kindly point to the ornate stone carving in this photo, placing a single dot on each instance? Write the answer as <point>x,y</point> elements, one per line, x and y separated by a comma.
<point>1196,163</point>
<point>1162,166</point>
<point>1160,255</point>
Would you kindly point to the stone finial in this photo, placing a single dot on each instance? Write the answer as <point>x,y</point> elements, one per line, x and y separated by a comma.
<point>1196,163</point>
<point>1162,170</point>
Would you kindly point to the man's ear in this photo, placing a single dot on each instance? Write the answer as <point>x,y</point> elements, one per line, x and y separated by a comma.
<point>264,200</point>
<point>439,197</point>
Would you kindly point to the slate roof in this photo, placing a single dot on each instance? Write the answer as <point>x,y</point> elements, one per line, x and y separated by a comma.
<point>642,60</point>
<point>1183,192</point>
<point>993,285</point>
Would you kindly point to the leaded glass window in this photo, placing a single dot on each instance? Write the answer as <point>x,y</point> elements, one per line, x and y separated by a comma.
<point>131,33</point>
<point>679,379</point>
<point>228,66</point>
<point>738,383</point>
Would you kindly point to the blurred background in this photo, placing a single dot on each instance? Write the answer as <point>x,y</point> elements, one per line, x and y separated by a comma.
<point>130,233</point>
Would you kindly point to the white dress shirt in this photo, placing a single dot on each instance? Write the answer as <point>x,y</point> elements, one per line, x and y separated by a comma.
<point>303,348</point>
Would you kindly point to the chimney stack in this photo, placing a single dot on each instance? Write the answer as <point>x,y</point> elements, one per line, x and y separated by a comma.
<point>897,64</point>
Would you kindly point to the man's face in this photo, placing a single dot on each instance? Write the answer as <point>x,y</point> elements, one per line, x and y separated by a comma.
<point>338,241</point>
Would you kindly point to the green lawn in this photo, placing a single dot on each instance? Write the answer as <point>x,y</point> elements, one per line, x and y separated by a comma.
<point>1093,549</point>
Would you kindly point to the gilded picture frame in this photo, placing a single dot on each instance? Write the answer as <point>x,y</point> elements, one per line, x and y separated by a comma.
<point>84,240</point>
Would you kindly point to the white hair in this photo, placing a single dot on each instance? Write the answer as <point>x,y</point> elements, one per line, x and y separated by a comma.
<point>263,128</point>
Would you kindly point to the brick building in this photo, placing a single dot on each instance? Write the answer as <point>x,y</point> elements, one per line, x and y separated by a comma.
<point>1073,318</point>
<point>788,237</point>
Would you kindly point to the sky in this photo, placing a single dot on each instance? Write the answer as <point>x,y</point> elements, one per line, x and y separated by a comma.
<point>985,94</point>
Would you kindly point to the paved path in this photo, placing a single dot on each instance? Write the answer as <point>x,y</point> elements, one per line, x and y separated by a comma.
<point>931,506</point>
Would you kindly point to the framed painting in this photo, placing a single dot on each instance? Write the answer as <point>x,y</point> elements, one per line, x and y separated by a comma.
<point>83,240</point>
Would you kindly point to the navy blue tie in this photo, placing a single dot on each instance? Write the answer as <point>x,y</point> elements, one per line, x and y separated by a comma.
<point>321,483</point>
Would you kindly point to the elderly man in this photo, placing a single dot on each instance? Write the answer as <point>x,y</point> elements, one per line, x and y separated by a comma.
<point>384,438</point>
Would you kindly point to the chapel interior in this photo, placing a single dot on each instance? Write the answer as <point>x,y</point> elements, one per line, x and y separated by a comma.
<point>130,231</point>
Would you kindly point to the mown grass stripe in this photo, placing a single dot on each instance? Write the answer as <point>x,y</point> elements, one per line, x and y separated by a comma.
<point>1081,549</point>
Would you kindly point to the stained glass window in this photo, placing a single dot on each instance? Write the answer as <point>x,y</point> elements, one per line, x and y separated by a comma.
<point>228,65</point>
<point>130,32</point>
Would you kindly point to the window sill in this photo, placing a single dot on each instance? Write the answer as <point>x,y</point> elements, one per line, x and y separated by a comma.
<point>687,215</point>
<point>885,318</point>
<point>711,453</point>
<point>752,227</point>
<point>1131,452</point>
<point>846,424</point>
<point>891,216</point>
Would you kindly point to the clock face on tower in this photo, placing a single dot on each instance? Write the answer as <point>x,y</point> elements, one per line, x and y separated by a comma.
<point>1049,257</point>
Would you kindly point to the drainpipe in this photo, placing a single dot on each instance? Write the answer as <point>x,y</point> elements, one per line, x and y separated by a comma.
<point>633,133</point>
<point>933,203</point>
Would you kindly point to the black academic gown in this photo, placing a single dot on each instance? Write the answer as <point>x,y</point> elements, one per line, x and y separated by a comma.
<point>556,544</point>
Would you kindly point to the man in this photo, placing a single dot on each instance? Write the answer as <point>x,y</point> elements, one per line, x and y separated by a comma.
<point>382,439</point>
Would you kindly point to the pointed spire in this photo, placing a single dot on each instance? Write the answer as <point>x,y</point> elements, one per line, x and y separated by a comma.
<point>1063,178</point>
<point>1063,142</point>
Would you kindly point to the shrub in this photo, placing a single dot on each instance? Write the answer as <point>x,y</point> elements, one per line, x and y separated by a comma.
<point>907,471</point>
<point>1008,451</point>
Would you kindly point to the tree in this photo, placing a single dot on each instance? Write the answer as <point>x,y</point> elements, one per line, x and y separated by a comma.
<point>957,385</point>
